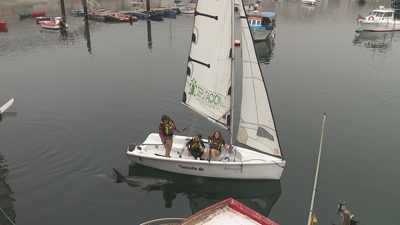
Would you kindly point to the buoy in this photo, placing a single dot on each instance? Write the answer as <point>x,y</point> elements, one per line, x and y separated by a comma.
<point>237,42</point>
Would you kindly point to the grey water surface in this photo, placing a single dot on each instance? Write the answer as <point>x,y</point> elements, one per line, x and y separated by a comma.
<point>81,99</point>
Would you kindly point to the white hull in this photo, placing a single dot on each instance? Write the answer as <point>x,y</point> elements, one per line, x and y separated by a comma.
<point>380,25</point>
<point>248,164</point>
<point>6,106</point>
<point>310,2</point>
<point>53,27</point>
<point>380,20</point>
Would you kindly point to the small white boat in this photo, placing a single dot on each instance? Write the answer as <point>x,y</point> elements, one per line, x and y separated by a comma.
<point>211,59</point>
<point>310,2</point>
<point>228,211</point>
<point>381,19</point>
<point>6,106</point>
<point>57,24</point>
<point>187,10</point>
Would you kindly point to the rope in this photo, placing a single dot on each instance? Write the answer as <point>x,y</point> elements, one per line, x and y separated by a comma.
<point>12,7</point>
<point>7,216</point>
<point>190,133</point>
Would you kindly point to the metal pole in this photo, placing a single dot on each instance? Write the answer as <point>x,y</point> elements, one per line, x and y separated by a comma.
<point>232,73</point>
<point>316,173</point>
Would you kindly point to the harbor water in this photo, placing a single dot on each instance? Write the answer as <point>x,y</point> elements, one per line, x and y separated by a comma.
<point>83,96</point>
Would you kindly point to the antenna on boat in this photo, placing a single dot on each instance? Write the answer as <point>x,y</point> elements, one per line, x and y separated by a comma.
<point>316,173</point>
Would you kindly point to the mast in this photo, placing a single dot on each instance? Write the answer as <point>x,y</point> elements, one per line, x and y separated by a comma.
<point>232,71</point>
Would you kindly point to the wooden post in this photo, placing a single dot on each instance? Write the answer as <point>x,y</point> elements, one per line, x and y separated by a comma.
<point>149,40</point>
<point>87,34</point>
<point>85,8</point>
<point>148,5</point>
<point>63,11</point>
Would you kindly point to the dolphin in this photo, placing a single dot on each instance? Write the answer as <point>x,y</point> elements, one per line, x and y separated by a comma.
<point>141,181</point>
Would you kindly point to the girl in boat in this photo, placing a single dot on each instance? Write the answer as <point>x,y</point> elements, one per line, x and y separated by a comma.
<point>195,147</point>
<point>166,131</point>
<point>215,142</point>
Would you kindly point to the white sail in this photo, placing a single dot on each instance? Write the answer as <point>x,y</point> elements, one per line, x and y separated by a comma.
<point>256,125</point>
<point>208,81</point>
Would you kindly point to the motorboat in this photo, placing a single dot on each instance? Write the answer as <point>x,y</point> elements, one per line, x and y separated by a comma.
<point>310,2</point>
<point>57,24</point>
<point>380,20</point>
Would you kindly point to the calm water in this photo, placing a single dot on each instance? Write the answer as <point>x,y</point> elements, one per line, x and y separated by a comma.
<point>79,102</point>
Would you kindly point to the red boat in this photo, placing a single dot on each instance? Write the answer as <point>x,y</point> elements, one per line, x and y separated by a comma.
<point>2,24</point>
<point>37,14</point>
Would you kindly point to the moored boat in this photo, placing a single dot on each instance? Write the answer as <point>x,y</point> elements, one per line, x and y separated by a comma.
<point>187,10</point>
<point>41,18</point>
<point>57,24</point>
<point>309,2</point>
<point>3,24</point>
<point>380,20</point>
<point>37,14</point>
<point>262,25</point>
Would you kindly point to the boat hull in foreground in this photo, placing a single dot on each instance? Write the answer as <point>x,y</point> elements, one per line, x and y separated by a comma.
<point>240,164</point>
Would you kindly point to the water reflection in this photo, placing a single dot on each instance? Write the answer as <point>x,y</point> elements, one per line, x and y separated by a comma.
<point>149,39</point>
<point>376,41</point>
<point>264,50</point>
<point>7,115</point>
<point>7,213</point>
<point>202,192</point>
<point>87,34</point>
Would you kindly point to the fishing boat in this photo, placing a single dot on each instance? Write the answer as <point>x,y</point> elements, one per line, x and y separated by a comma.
<point>262,25</point>
<point>3,24</point>
<point>209,92</point>
<point>381,19</point>
<point>57,24</point>
<point>6,106</point>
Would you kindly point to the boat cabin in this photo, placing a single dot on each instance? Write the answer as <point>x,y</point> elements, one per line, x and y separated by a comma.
<point>261,20</point>
<point>381,13</point>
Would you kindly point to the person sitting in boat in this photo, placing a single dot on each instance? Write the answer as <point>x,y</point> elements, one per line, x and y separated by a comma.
<point>195,146</point>
<point>166,131</point>
<point>215,142</point>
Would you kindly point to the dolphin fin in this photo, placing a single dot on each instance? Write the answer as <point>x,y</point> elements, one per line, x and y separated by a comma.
<point>120,177</point>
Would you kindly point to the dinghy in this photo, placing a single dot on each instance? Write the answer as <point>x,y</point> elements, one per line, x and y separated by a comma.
<point>209,91</point>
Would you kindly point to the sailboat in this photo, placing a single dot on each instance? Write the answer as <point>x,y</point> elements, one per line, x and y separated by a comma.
<point>209,91</point>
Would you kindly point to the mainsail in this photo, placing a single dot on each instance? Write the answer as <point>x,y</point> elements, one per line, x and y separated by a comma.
<point>256,125</point>
<point>208,81</point>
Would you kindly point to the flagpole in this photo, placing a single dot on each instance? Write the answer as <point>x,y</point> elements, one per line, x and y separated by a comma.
<point>316,173</point>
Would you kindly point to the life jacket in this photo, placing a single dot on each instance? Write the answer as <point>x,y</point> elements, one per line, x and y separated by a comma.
<point>196,144</point>
<point>214,144</point>
<point>168,128</point>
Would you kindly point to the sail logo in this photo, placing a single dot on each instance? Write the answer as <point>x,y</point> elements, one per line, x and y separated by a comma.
<point>206,96</point>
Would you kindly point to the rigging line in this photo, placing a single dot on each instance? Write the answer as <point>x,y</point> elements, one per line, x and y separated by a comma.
<point>12,7</point>
<point>7,216</point>
<point>190,133</point>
